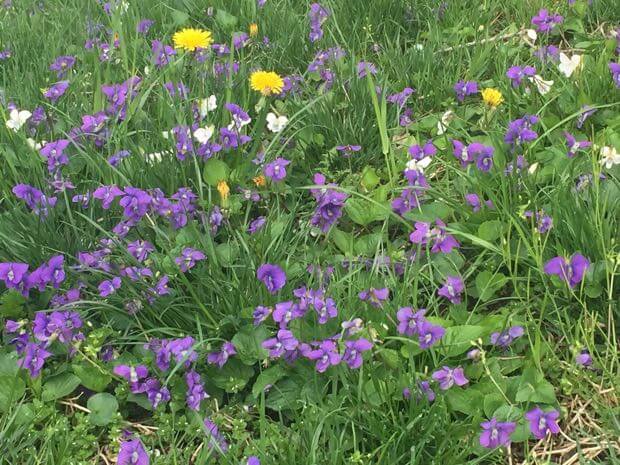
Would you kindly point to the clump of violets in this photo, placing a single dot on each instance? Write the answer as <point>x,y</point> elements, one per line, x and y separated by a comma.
<point>505,338</point>
<point>520,131</point>
<point>412,323</point>
<point>272,276</point>
<point>35,199</point>
<point>435,236</point>
<point>543,423</point>
<point>330,203</point>
<point>545,21</point>
<point>495,433</point>
<point>571,271</point>
<point>452,289</point>
<point>317,16</point>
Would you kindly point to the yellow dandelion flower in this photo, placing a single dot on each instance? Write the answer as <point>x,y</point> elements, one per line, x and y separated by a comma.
<point>190,39</point>
<point>253,30</point>
<point>266,82</point>
<point>492,97</point>
<point>260,181</point>
<point>223,189</point>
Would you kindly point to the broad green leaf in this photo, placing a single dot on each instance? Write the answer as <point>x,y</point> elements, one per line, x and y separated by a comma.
<point>490,230</point>
<point>12,388</point>
<point>233,376</point>
<point>92,377</point>
<point>284,395</point>
<point>488,283</point>
<point>364,212</point>
<point>102,408</point>
<point>466,401</point>
<point>59,386</point>
<point>248,343</point>
<point>457,339</point>
<point>429,212</point>
<point>12,304</point>
<point>343,240</point>
<point>370,179</point>
<point>268,377</point>
<point>225,19</point>
<point>215,171</point>
<point>8,364</point>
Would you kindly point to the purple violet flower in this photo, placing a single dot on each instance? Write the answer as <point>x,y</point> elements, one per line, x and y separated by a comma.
<point>505,338</point>
<point>276,170</point>
<point>464,89</point>
<point>188,259</point>
<point>326,355</point>
<point>132,453</point>
<point>109,287</point>
<point>571,271</point>
<point>452,289</point>
<point>220,358</point>
<point>546,22</point>
<point>496,433</point>
<point>448,377</point>
<point>542,423</point>
<point>353,352</point>
<point>272,276</point>
<point>375,297</point>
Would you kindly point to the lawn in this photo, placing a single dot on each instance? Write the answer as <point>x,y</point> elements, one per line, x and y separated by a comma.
<point>284,232</point>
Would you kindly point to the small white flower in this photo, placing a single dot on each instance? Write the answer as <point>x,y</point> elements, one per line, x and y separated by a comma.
<point>34,145</point>
<point>276,123</point>
<point>418,165</point>
<point>419,47</point>
<point>609,157</point>
<point>203,135</point>
<point>207,105</point>
<point>17,119</point>
<point>165,134</point>
<point>446,119</point>
<point>531,34</point>
<point>568,65</point>
<point>154,157</point>
<point>543,86</point>
<point>532,169</point>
